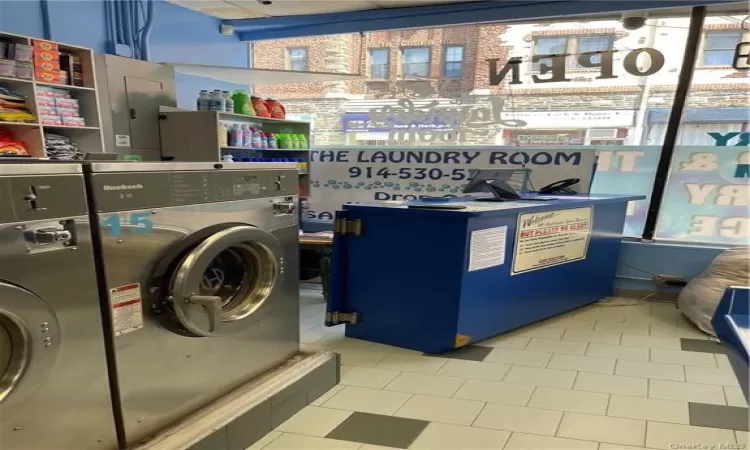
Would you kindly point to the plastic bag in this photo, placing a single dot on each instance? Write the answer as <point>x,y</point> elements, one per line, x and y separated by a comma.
<point>10,146</point>
<point>699,299</point>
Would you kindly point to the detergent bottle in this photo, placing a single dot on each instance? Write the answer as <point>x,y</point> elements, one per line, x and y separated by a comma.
<point>276,109</point>
<point>259,105</point>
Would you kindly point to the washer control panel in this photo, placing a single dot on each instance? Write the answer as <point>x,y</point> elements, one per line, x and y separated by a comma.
<point>39,197</point>
<point>139,190</point>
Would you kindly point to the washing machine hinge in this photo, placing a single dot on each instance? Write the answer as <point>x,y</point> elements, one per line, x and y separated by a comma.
<point>348,226</point>
<point>336,318</point>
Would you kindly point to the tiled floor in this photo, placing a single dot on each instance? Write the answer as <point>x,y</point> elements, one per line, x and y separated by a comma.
<point>602,377</point>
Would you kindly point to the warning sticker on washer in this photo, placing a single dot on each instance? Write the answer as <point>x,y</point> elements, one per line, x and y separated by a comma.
<point>127,311</point>
<point>551,238</point>
<point>487,248</point>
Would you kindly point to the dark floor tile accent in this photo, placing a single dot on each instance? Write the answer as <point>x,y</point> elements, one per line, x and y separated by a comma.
<point>719,416</point>
<point>470,353</point>
<point>701,345</point>
<point>375,429</point>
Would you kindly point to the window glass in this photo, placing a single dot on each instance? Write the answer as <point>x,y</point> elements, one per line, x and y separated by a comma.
<point>620,115</point>
<point>379,64</point>
<point>415,62</point>
<point>298,59</point>
<point>718,47</point>
<point>453,64</point>
<point>594,44</point>
<point>550,46</point>
<point>707,195</point>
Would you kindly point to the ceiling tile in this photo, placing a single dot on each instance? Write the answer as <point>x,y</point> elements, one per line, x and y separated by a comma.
<point>218,8</point>
<point>252,9</point>
<point>405,3</point>
<point>301,7</point>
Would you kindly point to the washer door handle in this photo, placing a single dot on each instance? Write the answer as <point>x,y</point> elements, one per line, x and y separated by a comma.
<point>212,305</point>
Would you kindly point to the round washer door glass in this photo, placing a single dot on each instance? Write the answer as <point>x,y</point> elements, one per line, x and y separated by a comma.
<point>225,279</point>
<point>29,344</point>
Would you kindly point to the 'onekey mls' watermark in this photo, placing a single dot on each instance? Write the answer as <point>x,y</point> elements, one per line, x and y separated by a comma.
<point>698,446</point>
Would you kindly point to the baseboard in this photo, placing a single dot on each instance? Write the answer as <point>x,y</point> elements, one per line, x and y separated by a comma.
<point>647,295</point>
<point>242,417</point>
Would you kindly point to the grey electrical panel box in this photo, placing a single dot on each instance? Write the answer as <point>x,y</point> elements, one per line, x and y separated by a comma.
<point>130,94</point>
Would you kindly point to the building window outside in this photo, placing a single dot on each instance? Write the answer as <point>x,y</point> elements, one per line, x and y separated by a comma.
<point>718,47</point>
<point>415,61</point>
<point>379,63</point>
<point>593,44</point>
<point>549,46</point>
<point>453,61</point>
<point>297,59</point>
<point>575,45</point>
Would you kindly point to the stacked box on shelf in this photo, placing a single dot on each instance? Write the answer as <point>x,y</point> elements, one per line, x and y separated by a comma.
<point>58,107</point>
<point>47,62</point>
<point>16,60</point>
<point>54,66</point>
<point>73,66</point>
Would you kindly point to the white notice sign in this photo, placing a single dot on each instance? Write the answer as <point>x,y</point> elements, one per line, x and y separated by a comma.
<point>127,314</point>
<point>551,238</point>
<point>487,248</point>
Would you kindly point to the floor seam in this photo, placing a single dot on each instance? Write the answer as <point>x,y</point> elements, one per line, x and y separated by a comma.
<point>474,420</point>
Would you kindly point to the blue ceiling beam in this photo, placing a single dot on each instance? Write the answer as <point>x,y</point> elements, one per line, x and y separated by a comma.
<point>438,15</point>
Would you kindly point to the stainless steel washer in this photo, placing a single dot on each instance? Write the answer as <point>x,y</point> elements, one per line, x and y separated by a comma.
<point>200,262</point>
<point>54,389</point>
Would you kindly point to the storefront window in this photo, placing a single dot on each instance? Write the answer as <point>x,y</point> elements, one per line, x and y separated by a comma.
<point>583,83</point>
<point>707,195</point>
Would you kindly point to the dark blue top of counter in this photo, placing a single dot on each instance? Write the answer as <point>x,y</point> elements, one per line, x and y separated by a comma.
<point>475,208</point>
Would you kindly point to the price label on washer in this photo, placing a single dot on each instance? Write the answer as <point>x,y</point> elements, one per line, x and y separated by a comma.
<point>127,308</point>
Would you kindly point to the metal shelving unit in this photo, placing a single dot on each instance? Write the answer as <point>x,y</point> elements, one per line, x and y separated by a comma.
<point>194,135</point>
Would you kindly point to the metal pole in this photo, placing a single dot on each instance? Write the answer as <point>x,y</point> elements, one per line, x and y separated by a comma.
<point>697,15</point>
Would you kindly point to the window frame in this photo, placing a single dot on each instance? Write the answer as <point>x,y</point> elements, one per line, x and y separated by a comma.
<point>445,61</point>
<point>428,63</point>
<point>704,50</point>
<point>387,51</point>
<point>535,41</point>
<point>576,51</point>
<point>289,58</point>
<point>572,49</point>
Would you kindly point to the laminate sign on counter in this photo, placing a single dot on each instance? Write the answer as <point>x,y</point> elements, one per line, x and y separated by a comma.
<point>487,248</point>
<point>551,238</point>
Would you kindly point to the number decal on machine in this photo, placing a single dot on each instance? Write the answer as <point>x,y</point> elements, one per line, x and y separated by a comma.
<point>139,223</point>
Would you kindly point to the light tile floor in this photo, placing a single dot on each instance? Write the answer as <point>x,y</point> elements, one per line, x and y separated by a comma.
<point>598,378</point>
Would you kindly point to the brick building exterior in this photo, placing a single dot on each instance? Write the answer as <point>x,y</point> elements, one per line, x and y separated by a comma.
<point>334,106</point>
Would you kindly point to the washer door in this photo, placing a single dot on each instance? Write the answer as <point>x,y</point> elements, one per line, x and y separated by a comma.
<point>218,286</point>
<point>29,343</point>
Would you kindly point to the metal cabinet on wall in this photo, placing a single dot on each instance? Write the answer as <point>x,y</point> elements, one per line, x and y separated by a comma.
<point>134,91</point>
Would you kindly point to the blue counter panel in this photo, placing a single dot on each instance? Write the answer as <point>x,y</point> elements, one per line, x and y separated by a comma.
<point>408,275</point>
<point>492,299</point>
<point>731,322</point>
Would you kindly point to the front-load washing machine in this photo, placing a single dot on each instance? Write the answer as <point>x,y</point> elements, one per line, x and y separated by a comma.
<point>54,389</point>
<point>200,269</point>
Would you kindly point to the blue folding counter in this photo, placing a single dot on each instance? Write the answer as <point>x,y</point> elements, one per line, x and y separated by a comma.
<point>436,279</point>
<point>731,322</point>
